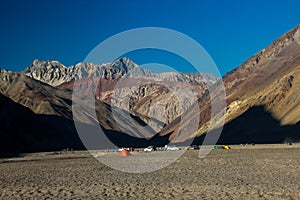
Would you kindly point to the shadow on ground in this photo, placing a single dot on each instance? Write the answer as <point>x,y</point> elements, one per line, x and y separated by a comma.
<point>258,126</point>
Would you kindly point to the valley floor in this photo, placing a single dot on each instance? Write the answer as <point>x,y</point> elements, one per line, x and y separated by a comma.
<point>243,172</point>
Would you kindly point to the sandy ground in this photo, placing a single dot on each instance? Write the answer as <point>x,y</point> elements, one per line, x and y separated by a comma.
<point>251,172</point>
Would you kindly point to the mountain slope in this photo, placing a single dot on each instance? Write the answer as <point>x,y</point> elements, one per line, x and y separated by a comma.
<point>270,79</point>
<point>22,130</point>
<point>39,97</point>
<point>54,103</point>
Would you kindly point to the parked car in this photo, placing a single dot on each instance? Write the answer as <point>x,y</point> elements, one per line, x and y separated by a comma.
<point>149,149</point>
<point>173,148</point>
<point>121,149</point>
<point>161,148</point>
<point>194,147</point>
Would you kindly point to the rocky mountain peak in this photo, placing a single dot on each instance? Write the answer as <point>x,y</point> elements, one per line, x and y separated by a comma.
<point>124,64</point>
<point>43,65</point>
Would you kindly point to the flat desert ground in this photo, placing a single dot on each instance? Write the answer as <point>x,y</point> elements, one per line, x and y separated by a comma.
<point>243,172</point>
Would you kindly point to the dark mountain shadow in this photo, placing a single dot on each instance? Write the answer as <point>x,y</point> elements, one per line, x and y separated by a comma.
<point>95,138</point>
<point>257,126</point>
<point>160,141</point>
<point>22,131</point>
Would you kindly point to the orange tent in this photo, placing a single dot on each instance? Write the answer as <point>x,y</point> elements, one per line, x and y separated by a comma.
<point>124,152</point>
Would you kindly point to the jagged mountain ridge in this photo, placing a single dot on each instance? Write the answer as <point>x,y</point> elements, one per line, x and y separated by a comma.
<point>147,89</point>
<point>55,73</point>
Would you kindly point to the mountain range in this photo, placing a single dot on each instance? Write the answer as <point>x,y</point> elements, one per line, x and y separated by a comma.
<point>262,97</point>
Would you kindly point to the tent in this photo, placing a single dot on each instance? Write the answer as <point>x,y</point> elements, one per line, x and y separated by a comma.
<point>124,152</point>
<point>226,147</point>
<point>217,147</point>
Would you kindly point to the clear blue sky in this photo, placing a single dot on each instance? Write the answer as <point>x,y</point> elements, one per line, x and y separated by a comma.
<point>230,31</point>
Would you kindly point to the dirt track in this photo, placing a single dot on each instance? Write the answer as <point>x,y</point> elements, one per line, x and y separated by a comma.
<point>259,172</point>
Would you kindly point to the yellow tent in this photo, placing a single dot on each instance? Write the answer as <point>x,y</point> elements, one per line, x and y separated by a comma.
<point>222,147</point>
<point>226,147</point>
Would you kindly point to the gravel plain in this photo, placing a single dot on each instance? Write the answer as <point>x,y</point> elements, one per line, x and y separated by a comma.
<point>243,172</point>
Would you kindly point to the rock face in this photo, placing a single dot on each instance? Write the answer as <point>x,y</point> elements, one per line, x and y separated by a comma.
<point>266,84</point>
<point>158,100</point>
<point>127,86</point>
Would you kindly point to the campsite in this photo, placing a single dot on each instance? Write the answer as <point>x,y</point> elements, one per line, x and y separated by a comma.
<point>259,172</point>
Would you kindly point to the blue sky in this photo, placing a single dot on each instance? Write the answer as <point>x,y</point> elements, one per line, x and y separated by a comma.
<point>230,31</point>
